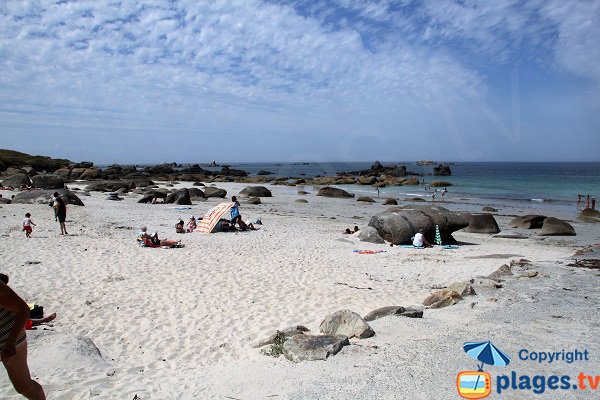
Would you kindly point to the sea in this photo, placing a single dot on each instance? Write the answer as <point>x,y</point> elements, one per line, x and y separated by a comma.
<point>553,186</point>
<point>557,182</point>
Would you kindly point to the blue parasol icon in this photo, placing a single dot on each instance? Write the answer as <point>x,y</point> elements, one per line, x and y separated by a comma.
<point>487,353</point>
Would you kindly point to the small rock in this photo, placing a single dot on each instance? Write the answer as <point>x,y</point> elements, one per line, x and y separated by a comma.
<point>287,332</point>
<point>347,323</point>
<point>310,347</point>
<point>501,272</point>
<point>390,202</point>
<point>410,312</point>
<point>462,288</point>
<point>442,298</point>
<point>366,199</point>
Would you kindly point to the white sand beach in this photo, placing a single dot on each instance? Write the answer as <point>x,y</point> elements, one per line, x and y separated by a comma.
<point>181,323</point>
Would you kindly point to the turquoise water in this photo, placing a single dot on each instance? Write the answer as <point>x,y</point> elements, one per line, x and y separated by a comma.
<point>548,182</point>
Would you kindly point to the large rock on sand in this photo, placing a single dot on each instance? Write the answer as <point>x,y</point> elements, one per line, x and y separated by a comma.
<point>256,191</point>
<point>442,298</point>
<point>527,222</point>
<point>347,323</point>
<point>334,192</point>
<point>399,224</point>
<point>16,180</point>
<point>313,347</point>
<point>556,227</point>
<point>45,196</point>
<point>109,186</point>
<point>179,197</point>
<point>48,181</point>
<point>195,192</point>
<point>370,235</point>
<point>589,215</point>
<point>215,192</point>
<point>482,223</point>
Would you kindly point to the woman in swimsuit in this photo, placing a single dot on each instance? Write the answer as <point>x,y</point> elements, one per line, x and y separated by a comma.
<point>14,313</point>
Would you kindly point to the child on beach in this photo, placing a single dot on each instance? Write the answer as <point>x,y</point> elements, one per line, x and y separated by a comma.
<point>192,224</point>
<point>27,222</point>
<point>179,227</point>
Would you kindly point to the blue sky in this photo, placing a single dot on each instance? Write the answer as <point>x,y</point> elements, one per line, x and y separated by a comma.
<point>299,80</point>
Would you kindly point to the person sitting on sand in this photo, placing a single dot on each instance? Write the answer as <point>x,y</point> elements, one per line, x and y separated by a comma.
<point>14,313</point>
<point>350,232</point>
<point>153,241</point>
<point>236,217</point>
<point>419,240</point>
<point>179,227</point>
<point>156,200</point>
<point>191,225</point>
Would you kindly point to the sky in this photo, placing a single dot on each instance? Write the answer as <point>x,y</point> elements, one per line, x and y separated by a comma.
<point>301,80</point>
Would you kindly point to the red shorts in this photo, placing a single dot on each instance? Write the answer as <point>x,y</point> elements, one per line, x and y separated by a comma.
<point>27,229</point>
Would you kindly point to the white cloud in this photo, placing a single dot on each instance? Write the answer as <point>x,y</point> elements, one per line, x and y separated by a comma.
<point>226,65</point>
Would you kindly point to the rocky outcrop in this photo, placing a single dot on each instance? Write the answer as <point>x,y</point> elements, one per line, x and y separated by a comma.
<point>556,227</point>
<point>527,222</point>
<point>442,170</point>
<point>313,347</point>
<point>390,202</point>
<point>215,192</point>
<point>370,235</point>
<point>256,191</point>
<point>48,182</point>
<point>109,186</point>
<point>367,180</point>
<point>482,223</point>
<point>233,172</point>
<point>347,323</point>
<point>90,174</point>
<point>399,224</point>
<point>334,192</point>
<point>45,196</point>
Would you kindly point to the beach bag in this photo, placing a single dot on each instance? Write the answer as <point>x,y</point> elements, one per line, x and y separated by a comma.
<point>36,312</point>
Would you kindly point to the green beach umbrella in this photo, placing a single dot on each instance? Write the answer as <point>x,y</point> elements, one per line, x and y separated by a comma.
<point>438,237</point>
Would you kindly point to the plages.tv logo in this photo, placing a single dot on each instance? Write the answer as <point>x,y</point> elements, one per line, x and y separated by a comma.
<point>478,384</point>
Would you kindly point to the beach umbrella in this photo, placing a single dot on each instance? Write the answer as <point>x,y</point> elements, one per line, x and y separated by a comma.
<point>487,353</point>
<point>438,236</point>
<point>213,216</point>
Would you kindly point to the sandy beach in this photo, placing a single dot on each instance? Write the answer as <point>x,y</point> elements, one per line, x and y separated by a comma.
<point>182,323</point>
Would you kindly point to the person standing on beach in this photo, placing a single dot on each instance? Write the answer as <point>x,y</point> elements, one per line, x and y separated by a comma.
<point>27,222</point>
<point>593,203</point>
<point>433,196</point>
<point>60,213</point>
<point>587,201</point>
<point>578,200</point>
<point>14,313</point>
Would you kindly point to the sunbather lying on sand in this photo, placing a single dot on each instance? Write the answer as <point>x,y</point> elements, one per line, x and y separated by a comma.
<point>149,240</point>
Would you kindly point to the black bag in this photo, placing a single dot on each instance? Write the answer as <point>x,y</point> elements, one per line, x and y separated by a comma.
<point>36,312</point>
